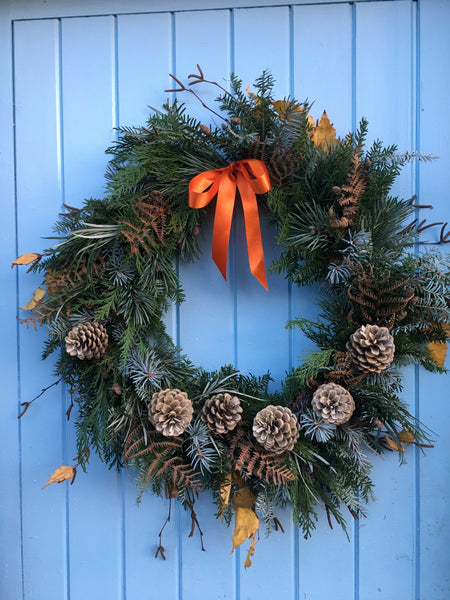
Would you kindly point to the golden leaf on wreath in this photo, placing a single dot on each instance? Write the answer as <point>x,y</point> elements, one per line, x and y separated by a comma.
<point>63,473</point>
<point>406,437</point>
<point>26,259</point>
<point>285,109</point>
<point>439,349</point>
<point>38,294</point>
<point>251,552</point>
<point>225,491</point>
<point>247,523</point>
<point>324,133</point>
<point>391,444</point>
<point>438,352</point>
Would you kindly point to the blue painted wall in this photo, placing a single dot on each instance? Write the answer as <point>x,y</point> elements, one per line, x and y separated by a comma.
<point>69,73</point>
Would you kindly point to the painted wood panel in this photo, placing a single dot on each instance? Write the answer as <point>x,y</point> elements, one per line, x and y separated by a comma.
<point>69,74</point>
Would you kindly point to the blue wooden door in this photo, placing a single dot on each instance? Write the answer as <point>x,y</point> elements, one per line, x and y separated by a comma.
<point>69,73</point>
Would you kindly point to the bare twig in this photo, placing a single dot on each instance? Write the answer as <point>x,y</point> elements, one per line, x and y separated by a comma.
<point>28,404</point>
<point>160,549</point>
<point>201,79</point>
<point>183,88</point>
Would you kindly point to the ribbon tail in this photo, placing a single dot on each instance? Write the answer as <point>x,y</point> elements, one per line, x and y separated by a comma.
<point>222,222</point>
<point>253,230</point>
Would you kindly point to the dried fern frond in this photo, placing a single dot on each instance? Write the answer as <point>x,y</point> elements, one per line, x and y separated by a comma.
<point>350,194</point>
<point>252,460</point>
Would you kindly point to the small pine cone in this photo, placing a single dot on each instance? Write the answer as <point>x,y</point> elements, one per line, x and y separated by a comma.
<point>276,428</point>
<point>300,404</point>
<point>333,403</point>
<point>170,412</point>
<point>371,348</point>
<point>222,412</point>
<point>87,341</point>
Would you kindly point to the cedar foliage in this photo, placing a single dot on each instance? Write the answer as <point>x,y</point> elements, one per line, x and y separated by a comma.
<point>337,224</point>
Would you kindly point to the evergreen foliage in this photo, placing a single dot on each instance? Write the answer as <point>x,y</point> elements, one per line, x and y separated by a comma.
<point>338,225</point>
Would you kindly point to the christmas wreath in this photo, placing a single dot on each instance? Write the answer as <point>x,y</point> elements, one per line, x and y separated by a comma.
<point>111,277</point>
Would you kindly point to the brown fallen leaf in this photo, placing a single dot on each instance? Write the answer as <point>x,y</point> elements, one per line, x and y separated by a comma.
<point>38,294</point>
<point>63,473</point>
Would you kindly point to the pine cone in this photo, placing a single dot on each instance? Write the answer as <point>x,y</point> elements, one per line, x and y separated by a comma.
<point>222,412</point>
<point>300,404</point>
<point>333,403</point>
<point>170,411</point>
<point>87,341</point>
<point>371,348</point>
<point>276,429</point>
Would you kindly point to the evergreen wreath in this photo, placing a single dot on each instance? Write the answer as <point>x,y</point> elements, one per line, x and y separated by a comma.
<point>142,403</point>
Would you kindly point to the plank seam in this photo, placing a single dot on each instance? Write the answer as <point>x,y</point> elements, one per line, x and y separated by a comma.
<point>18,355</point>
<point>416,484</point>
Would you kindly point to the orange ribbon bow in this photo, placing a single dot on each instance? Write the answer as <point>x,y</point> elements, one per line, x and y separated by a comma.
<point>250,177</point>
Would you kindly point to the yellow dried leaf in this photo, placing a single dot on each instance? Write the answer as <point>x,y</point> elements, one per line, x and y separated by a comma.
<point>225,491</point>
<point>282,107</point>
<point>38,294</point>
<point>247,524</point>
<point>438,352</point>
<point>406,437</point>
<point>63,473</point>
<point>243,498</point>
<point>238,479</point>
<point>251,552</point>
<point>390,442</point>
<point>26,259</point>
<point>324,134</point>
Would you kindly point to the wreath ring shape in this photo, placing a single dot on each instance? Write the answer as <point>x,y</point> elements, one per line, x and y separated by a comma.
<point>111,277</point>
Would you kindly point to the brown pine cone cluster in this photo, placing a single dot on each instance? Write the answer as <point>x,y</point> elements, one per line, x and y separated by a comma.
<point>170,412</point>
<point>276,429</point>
<point>87,341</point>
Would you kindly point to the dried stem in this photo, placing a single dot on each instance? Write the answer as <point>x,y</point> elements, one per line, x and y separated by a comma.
<point>183,88</point>
<point>28,404</point>
<point>160,549</point>
<point>201,79</point>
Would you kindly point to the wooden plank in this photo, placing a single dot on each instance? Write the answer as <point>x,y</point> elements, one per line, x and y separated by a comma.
<point>207,315</point>
<point>262,42</point>
<point>10,499</point>
<point>322,72</point>
<point>89,115</point>
<point>433,577</point>
<point>140,84</point>
<point>384,95</point>
<point>38,199</point>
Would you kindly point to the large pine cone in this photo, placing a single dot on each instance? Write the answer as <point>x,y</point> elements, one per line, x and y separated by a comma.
<point>276,428</point>
<point>170,411</point>
<point>333,403</point>
<point>222,412</point>
<point>371,348</point>
<point>87,341</point>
